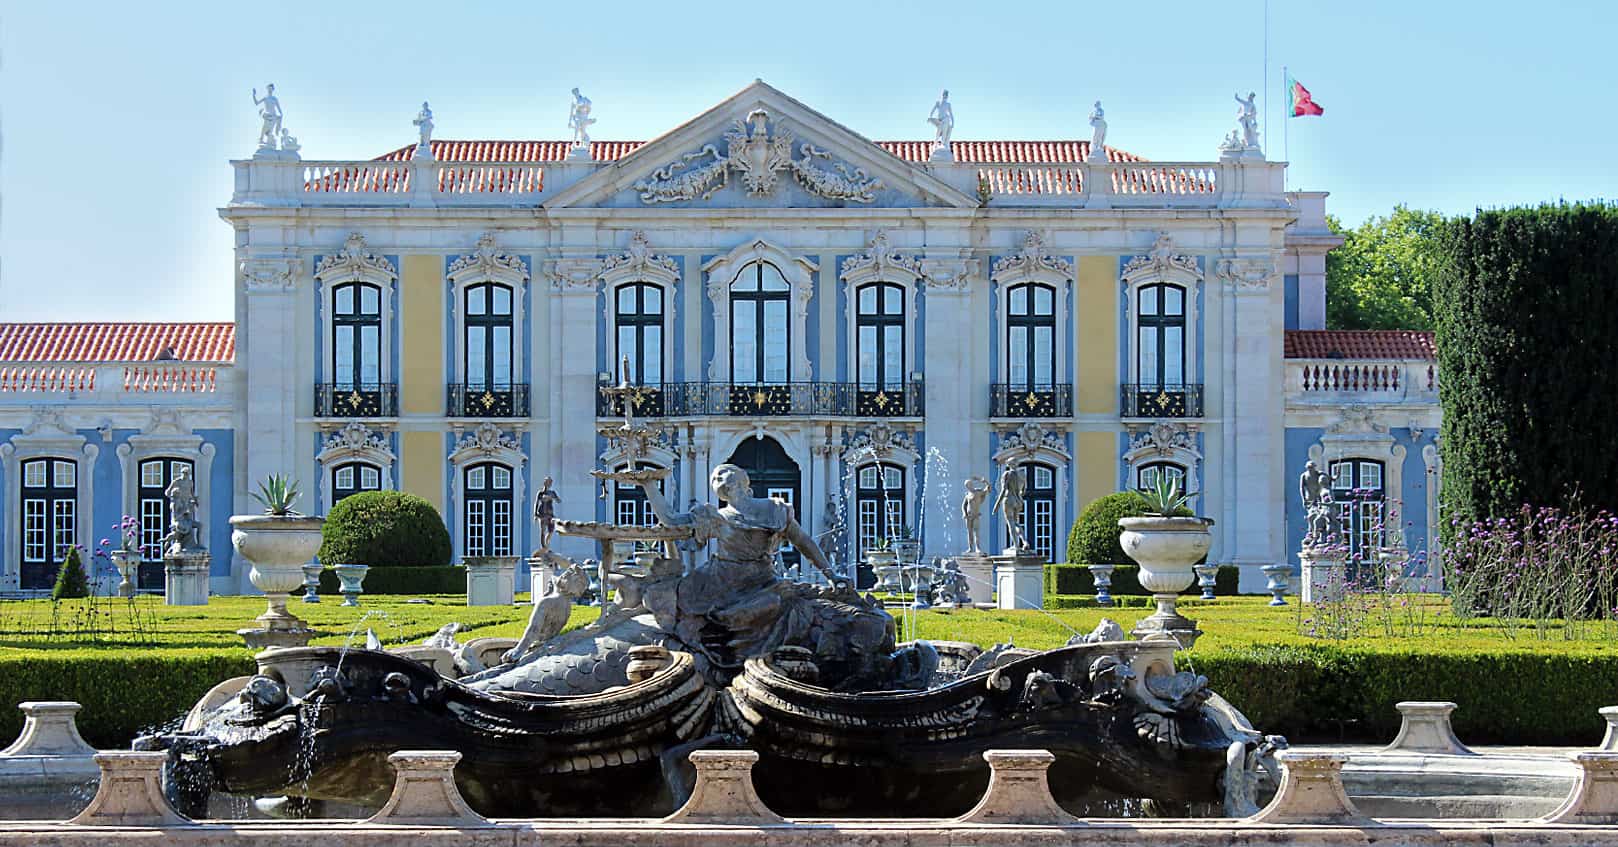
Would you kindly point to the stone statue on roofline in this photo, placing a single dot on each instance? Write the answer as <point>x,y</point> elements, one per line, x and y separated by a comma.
<point>269,111</point>
<point>942,118</point>
<point>1247,119</point>
<point>424,125</point>
<point>579,120</point>
<point>1098,134</point>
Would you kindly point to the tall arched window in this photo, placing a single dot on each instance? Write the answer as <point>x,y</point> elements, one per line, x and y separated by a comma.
<point>760,337</point>
<point>880,345</point>
<point>1039,509</point>
<point>1148,475</point>
<point>879,504</point>
<point>1358,490</point>
<point>356,350</point>
<point>488,338</point>
<point>1031,337</point>
<point>629,503</point>
<point>352,478</point>
<point>640,331</point>
<point>487,507</point>
<point>152,500</point>
<point>50,510</point>
<point>1161,330</point>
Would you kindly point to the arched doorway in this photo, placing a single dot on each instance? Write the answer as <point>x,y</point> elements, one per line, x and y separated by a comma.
<point>773,474</point>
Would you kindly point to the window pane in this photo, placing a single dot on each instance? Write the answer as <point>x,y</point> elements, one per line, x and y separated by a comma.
<point>868,300</point>
<point>1370,476</point>
<point>474,478</point>
<point>1175,300</point>
<point>151,474</point>
<point>868,529</point>
<point>1044,300</point>
<point>475,528</point>
<point>1148,356</point>
<point>502,300</point>
<point>893,356</point>
<point>771,279</point>
<point>371,300</point>
<point>1019,300</point>
<point>502,355</point>
<point>626,300</point>
<point>477,340</point>
<point>33,474</point>
<point>652,356</point>
<point>1018,356</point>
<point>502,479</point>
<point>627,349</point>
<point>33,530</point>
<point>1044,346</point>
<point>1342,475</point>
<point>370,478</point>
<point>345,300</point>
<point>653,296</point>
<point>477,302</point>
<point>344,477</point>
<point>893,302</point>
<point>1174,355</point>
<point>64,474</point>
<point>1043,477</point>
<point>893,478</point>
<point>743,335</point>
<point>176,467</point>
<point>775,341</point>
<point>867,351</point>
<point>370,354</point>
<point>868,477</point>
<point>343,355</point>
<point>1148,300</point>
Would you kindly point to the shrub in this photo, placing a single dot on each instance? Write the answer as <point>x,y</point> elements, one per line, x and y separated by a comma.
<point>70,580</point>
<point>385,529</point>
<point>446,579</point>
<point>1094,539</point>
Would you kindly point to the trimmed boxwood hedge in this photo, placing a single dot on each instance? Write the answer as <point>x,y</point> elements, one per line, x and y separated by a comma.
<point>385,529</point>
<point>449,579</point>
<point>1076,579</point>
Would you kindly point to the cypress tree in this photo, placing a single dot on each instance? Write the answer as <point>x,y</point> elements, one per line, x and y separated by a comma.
<point>71,580</point>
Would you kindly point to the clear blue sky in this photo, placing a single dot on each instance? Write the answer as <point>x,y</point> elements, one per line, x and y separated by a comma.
<point>119,118</point>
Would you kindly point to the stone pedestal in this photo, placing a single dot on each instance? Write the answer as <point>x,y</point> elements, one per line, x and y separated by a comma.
<point>723,792</point>
<point>185,577</point>
<point>130,793</point>
<point>424,792</point>
<point>49,729</point>
<point>539,578</point>
<point>491,580</point>
<point>1594,799</point>
<point>1019,791</point>
<point>1311,791</point>
<point>1609,742</point>
<point>1426,729</point>
<point>979,572</point>
<point>1019,580</point>
<point>1325,572</point>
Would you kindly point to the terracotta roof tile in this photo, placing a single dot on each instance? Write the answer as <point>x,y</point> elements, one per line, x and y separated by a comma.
<point>212,341</point>
<point>1359,344</point>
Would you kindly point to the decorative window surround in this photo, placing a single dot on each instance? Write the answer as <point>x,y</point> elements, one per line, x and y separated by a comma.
<point>355,263</point>
<point>1163,265</point>
<point>488,264</point>
<point>796,270</point>
<point>639,264</point>
<point>1033,264</point>
<point>46,436</point>
<point>355,442</point>
<point>1358,435</point>
<point>879,443</point>
<point>879,263</point>
<point>1164,442</point>
<point>166,437</point>
<point>487,443</point>
<point>1033,442</point>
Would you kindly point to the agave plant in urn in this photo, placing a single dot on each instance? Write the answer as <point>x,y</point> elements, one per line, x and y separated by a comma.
<point>278,543</point>
<point>1166,542</point>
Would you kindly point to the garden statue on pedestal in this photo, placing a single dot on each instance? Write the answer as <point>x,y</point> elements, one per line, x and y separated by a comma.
<point>977,490</point>
<point>185,560</point>
<point>1314,487</point>
<point>545,511</point>
<point>1323,559</point>
<point>1009,503</point>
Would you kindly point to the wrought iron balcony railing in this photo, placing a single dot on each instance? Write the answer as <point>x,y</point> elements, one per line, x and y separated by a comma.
<point>1140,400</point>
<point>788,399</point>
<point>488,401</point>
<point>1014,400</point>
<point>340,400</point>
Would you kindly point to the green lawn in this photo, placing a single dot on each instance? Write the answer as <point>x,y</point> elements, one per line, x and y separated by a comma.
<point>135,665</point>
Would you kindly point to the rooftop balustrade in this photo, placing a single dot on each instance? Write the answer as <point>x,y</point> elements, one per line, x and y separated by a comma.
<point>1337,381</point>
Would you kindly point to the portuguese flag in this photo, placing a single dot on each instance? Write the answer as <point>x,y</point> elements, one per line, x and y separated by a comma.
<point>1299,101</point>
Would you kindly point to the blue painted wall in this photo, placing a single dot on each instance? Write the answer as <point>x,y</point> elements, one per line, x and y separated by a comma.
<point>1412,495</point>
<point>1291,282</point>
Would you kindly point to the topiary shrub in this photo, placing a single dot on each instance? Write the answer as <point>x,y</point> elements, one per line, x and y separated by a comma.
<point>70,580</point>
<point>385,529</point>
<point>1094,539</point>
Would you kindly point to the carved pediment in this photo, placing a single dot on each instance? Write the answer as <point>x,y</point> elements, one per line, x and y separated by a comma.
<point>1032,262</point>
<point>759,159</point>
<point>1162,262</point>
<point>355,261</point>
<point>486,261</point>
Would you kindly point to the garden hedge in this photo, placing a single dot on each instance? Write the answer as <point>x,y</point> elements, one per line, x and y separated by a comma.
<point>385,529</point>
<point>1076,579</point>
<point>449,579</point>
<point>1317,692</point>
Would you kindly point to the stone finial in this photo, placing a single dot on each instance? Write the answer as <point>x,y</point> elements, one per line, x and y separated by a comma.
<point>1594,799</point>
<point>424,792</point>
<point>48,729</point>
<point>130,792</point>
<point>1018,791</point>
<point>1311,791</point>
<point>1609,743</point>
<point>1426,729</point>
<point>724,792</point>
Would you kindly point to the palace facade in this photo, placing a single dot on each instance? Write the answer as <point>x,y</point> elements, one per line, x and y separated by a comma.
<point>862,324</point>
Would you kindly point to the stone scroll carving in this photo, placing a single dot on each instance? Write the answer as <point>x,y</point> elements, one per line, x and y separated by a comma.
<point>759,157</point>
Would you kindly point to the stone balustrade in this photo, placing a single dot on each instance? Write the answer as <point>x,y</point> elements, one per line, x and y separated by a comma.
<point>111,384</point>
<point>1336,381</point>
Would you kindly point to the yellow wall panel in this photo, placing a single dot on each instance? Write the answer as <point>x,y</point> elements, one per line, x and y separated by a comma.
<point>421,336</point>
<point>1095,459</point>
<point>421,466</point>
<point>1095,325</point>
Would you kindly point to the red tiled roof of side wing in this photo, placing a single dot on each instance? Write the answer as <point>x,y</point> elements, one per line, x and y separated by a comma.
<point>1359,344</point>
<point>212,341</point>
<point>1019,152</point>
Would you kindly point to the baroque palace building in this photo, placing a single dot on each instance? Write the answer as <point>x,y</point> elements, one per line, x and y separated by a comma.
<point>862,324</point>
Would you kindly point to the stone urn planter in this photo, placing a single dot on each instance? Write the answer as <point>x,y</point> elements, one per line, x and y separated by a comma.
<point>350,579</point>
<point>126,561</point>
<point>278,546</point>
<point>885,565</point>
<point>311,582</point>
<point>1166,548</point>
<point>907,550</point>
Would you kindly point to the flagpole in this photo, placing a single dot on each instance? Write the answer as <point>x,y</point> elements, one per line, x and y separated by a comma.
<point>1286,141</point>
